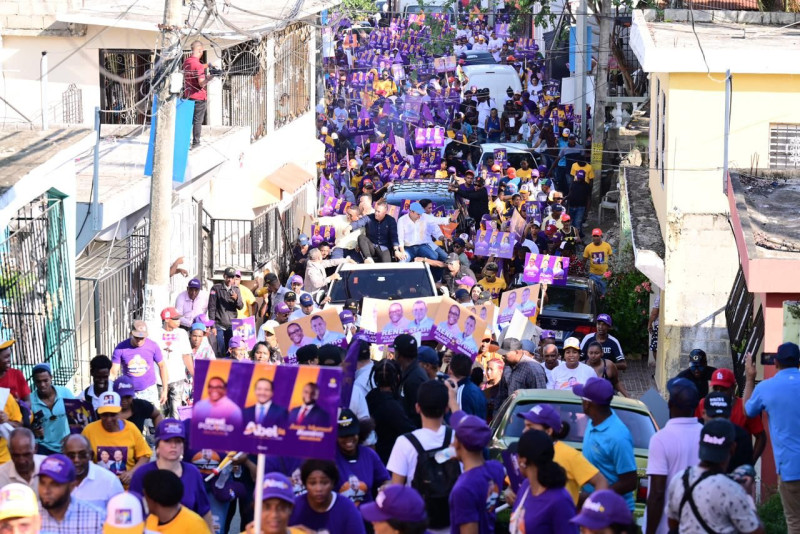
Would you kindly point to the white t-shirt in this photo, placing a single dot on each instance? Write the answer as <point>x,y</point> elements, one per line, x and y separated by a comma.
<point>403,460</point>
<point>173,346</point>
<point>565,378</point>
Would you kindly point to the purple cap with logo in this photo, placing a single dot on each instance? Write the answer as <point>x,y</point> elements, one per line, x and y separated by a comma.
<point>596,390</point>
<point>543,414</point>
<point>203,318</point>
<point>602,509</point>
<point>472,431</point>
<point>282,308</point>
<point>59,468</point>
<point>296,279</point>
<point>401,503</point>
<point>277,486</point>
<point>170,428</point>
<point>237,343</point>
<point>306,300</point>
<point>606,318</point>
<point>194,283</point>
<point>123,386</point>
<point>346,316</point>
<point>548,334</point>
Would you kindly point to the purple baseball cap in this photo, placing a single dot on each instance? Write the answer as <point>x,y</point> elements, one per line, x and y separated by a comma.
<point>277,486</point>
<point>296,279</point>
<point>543,414</point>
<point>602,509</point>
<point>346,316</point>
<point>59,468</point>
<point>236,343</point>
<point>123,386</point>
<point>548,334</point>
<point>282,308</point>
<point>203,318</point>
<point>401,503</point>
<point>466,281</point>
<point>472,431</point>
<point>606,318</point>
<point>170,428</point>
<point>596,390</point>
<point>194,283</point>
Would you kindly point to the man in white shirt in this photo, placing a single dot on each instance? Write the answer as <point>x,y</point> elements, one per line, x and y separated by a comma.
<point>24,464</point>
<point>495,45</point>
<point>480,45</point>
<point>94,484</point>
<point>177,351</point>
<point>571,371</point>
<point>413,236</point>
<point>307,307</point>
<point>99,370</point>
<point>346,238</point>
<point>191,303</point>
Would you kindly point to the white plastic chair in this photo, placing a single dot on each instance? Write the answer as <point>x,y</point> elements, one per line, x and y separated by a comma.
<point>610,202</point>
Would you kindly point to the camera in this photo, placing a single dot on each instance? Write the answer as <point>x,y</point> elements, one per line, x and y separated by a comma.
<point>215,71</point>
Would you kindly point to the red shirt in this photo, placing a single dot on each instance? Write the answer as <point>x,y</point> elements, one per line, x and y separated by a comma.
<point>15,381</point>
<point>193,72</point>
<point>753,425</point>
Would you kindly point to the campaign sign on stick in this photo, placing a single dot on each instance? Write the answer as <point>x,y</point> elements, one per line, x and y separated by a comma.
<point>516,224</point>
<point>433,137</point>
<point>525,299</point>
<point>325,231</point>
<point>545,269</point>
<point>322,327</point>
<point>383,320</point>
<point>284,410</point>
<point>458,328</point>
<point>246,330</point>
<point>495,243</point>
<point>335,205</point>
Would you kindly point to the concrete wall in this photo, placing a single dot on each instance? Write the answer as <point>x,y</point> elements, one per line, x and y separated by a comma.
<point>33,16</point>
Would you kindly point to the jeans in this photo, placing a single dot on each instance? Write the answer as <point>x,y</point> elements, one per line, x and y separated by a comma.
<point>175,392</point>
<point>197,120</point>
<point>432,252</point>
<point>600,282</point>
<point>224,335</point>
<point>577,214</point>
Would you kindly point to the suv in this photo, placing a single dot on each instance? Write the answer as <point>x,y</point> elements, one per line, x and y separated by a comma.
<point>388,281</point>
<point>434,190</point>
<point>515,153</point>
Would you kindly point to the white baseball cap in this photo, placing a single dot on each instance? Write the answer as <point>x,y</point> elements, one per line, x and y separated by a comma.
<point>125,515</point>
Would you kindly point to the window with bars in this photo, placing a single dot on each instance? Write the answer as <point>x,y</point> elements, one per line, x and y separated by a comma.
<point>293,77</point>
<point>125,86</point>
<point>244,91</point>
<point>784,146</point>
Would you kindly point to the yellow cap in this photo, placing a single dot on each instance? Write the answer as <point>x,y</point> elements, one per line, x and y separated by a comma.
<point>5,343</point>
<point>18,500</point>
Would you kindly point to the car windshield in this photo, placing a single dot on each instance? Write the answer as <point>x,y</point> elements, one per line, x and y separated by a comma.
<point>640,425</point>
<point>382,284</point>
<point>565,299</point>
<point>515,159</point>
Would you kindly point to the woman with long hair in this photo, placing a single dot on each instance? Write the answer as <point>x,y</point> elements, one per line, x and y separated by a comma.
<point>543,505</point>
<point>386,408</point>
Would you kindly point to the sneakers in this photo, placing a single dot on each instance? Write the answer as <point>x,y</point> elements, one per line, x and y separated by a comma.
<point>369,260</point>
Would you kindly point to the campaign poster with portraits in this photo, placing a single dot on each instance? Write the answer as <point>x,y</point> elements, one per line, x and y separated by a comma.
<point>325,231</point>
<point>495,243</point>
<point>384,320</point>
<point>458,328</point>
<point>286,410</point>
<point>323,327</point>
<point>245,329</point>
<point>525,299</point>
<point>79,414</point>
<point>485,311</point>
<point>335,205</point>
<point>545,269</point>
<point>115,459</point>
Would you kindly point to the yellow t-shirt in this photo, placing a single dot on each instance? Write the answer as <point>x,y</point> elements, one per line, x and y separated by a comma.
<point>494,288</point>
<point>14,414</point>
<point>186,521</point>
<point>439,174</point>
<point>588,169</point>
<point>129,438</point>
<point>598,256</point>
<point>524,174</point>
<point>248,298</point>
<point>579,470</point>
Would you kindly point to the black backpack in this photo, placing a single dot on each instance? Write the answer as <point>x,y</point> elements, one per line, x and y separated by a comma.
<point>434,480</point>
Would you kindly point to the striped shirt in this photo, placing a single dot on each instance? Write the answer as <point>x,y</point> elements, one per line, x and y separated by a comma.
<point>81,518</point>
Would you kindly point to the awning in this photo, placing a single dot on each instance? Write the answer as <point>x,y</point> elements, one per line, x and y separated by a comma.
<point>648,244</point>
<point>290,178</point>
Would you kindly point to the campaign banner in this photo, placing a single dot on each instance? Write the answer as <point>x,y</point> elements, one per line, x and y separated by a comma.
<point>330,160</point>
<point>322,327</point>
<point>458,328</point>
<point>500,155</point>
<point>511,463</point>
<point>429,137</point>
<point>398,72</point>
<point>532,211</point>
<point>383,320</point>
<point>517,224</point>
<point>490,181</point>
<point>230,408</point>
<point>485,311</point>
<point>501,29</point>
<point>350,41</point>
<point>525,299</point>
<point>325,231</point>
<point>444,64</point>
<point>360,126</point>
<point>545,269</point>
<point>335,205</point>
<point>79,414</point>
<point>495,243</point>
<point>245,329</point>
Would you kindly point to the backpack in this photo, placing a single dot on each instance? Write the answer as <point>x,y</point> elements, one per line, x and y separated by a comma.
<point>434,481</point>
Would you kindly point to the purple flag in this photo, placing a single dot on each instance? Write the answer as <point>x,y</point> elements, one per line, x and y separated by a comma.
<point>426,113</point>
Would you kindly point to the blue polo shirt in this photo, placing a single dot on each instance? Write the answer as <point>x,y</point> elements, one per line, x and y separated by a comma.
<point>609,447</point>
<point>54,423</point>
<point>777,396</point>
<point>471,398</point>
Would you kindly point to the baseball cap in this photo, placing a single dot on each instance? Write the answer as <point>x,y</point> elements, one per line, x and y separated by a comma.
<point>472,431</point>
<point>198,326</point>
<point>170,428</point>
<point>510,344</point>
<point>351,304</point>
<point>458,242</point>
<point>406,345</point>
<point>348,423</point>
<point>565,132</point>
<point>296,279</point>
<point>723,377</point>
<point>788,353</point>
<point>416,207</point>
<point>203,318</point>
<point>545,182</point>
<point>302,240</point>
<point>282,308</point>
<point>139,329</point>
<point>194,283</point>
<point>306,300</point>
<point>290,295</point>
<point>236,343</point>
<point>602,509</point>
<point>5,343</point>
<point>543,414</point>
<point>271,277</point>
<point>330,355</point>
<point>170,313</point>
<point>398,502</point>
<point>125,515</point>
<point>566,218</point>
<point>580,175</point>
<point>597,232</point>
<point>718,404</point>
<point>558,207</point>
<point>683,393</point>
<point>453,257</point>
<point>58,467</point>
<point>269,327</point>
<point>528,345</point>
<point>109,403</point>
<point>229,272</point>
<point>18,500</point>
<point>346,316</point>
<point>461,294</point>
<point>697,356</point>
<point>277,486</point>
<point>606,318</point>
<point>572,343</point>
<point>426,354</point>
<point>596,390</point>
<point>123,386</point>
<point>715,440</point>
<point>466,281</point>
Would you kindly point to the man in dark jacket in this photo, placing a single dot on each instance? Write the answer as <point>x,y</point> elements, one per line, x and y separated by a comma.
<point>454,272</point>
<point>379,242</point>
<point>405,352</point>
<point>224,301</point>
<point>478,200</point>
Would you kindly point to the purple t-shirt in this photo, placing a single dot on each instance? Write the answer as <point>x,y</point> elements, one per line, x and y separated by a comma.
<point>139,363</point>
<point>289,467</point>
<point>549,512</point>
<point>474,497</point>
<point>343,516</point>
<point>358,478</point>
<point>194,488</point>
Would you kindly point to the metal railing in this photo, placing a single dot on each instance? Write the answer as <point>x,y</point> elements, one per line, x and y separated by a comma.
<point>244,91</point>
<point>36,295</point>
<point>125,103</point>
<point>293,76</point>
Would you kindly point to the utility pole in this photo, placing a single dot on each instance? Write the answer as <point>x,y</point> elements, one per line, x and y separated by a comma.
<point>580,70</point>
<point>600,94</point>
<point>156,288</point>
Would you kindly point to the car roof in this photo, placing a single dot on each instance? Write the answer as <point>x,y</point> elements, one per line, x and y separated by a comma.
<point>554,395</point>
<point>381,266</point>
<point>496,68</point>
<point>479,58</point>
<point>434,190</point>
<point>511,148</point>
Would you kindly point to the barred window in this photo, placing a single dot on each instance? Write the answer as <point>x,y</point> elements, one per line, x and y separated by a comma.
<point>244,90</point>
<point>784,146</point>
<point>125,96</point>
<point>292,74</point>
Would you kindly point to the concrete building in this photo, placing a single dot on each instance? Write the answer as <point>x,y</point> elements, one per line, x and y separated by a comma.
<point>687,191</point>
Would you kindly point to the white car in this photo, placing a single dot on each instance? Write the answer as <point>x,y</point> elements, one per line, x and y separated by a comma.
<point>515,153</point>
<point>497,78</point>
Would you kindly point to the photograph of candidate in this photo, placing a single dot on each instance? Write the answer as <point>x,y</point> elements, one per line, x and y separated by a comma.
<point>217,405</point>
<point>528,306</point>
<point>466,340</point>
<point>295,332</point>
<point>421,320</point>
<point>265,412</point>
<point>309,413</point>
<point>450,327</point>
<point>397,323</point>
<point>323,336</point>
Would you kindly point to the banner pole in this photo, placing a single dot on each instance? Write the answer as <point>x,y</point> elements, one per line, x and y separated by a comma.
<point>262,459</point>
